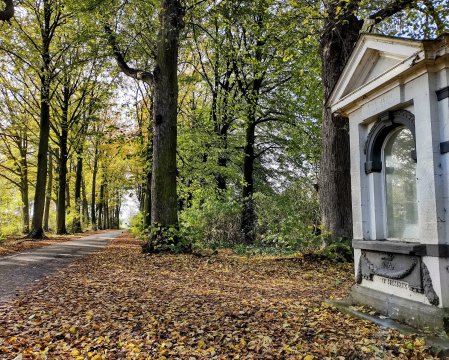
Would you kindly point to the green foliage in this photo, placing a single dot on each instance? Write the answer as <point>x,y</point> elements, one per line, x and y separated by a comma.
<point>136,226</point>
<point>212,220</point>
<point>289,219</point>
<point>339,250</point>
<point>166,239</point>
<point>10,214</point>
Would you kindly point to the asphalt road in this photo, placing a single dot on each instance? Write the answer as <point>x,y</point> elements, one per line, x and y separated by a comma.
<point>21,270</point>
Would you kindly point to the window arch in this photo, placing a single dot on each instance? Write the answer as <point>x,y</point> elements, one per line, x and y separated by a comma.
<point>381,130</point>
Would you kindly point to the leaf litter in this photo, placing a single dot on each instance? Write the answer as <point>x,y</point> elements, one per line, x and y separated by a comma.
<point>121,304</point>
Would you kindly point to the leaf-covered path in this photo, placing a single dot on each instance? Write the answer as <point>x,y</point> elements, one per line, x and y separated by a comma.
<point>20,270</point>
<point>121,304</point>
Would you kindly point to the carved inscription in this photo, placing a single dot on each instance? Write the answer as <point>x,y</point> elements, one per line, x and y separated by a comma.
<point>397,283</point>
<point>399,270</point>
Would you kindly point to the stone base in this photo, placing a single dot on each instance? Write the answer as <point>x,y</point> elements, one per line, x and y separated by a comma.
<point>410,312</point>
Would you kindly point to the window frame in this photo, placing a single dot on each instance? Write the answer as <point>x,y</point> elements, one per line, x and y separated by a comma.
<point>387,124</point>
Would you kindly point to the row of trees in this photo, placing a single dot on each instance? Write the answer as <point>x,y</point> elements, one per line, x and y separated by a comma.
<point>56,89</point>
<point>228,110</point>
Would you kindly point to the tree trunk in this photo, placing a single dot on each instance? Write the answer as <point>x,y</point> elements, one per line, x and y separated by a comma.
<point>163,182</point>
<point>48,193</point>
<point>37,231</point>
<point>101,219</point>
<point>62,186</point>
<point>79,174</point>
<point>68,204</point>
<point>106,224</point>
<point>24,184</point>
<point>94,190</point>
<point>337,41</point>
<point>248,217</point>
<point>146,211</point>
<point>85,203</point>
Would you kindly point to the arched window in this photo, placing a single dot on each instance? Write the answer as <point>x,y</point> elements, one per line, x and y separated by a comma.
<point>400,185</point>
<point>391,165</point>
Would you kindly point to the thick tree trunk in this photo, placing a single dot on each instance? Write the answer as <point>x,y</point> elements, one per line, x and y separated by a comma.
<point>248,217</point>
<point>163,182</point>
<point>337,41</point>
<point>164,78</point>
<point>79,174</point>
<point>37,231</point>
<point>48,192</point>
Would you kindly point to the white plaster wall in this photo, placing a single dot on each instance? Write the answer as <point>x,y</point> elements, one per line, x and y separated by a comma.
<point>441,81</point>
<point>357,255</point>
<point>428,172</point>
<point>441,269</point>
<point>356,186</point>
<point>442,280</point>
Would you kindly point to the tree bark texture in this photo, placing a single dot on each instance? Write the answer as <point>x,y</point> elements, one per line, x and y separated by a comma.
<point>48,192</point>
<point>63,158</point>
<point>94,189</point>
<point>78,201</point>
<point>248,217</point>
<point>86,219</point>
<point>101,221</point>
<point>37,230</point>
<point>146,211</point>
<point>24,183</point>
<point>163,182</point>
<point>337,41</point>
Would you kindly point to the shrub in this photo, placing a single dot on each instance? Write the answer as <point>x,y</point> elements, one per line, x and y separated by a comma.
<point>211,221</point>
<point>289,219</point>
<point>136,226</point>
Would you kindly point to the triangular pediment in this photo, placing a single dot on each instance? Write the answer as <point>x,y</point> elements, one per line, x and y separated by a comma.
<point>372,64</point>
<point>374,60</point>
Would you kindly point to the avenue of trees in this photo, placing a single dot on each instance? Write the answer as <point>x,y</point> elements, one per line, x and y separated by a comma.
<point>209,112</point>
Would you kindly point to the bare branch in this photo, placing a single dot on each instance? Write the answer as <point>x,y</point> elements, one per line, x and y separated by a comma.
<point>137,74</point>
<point>391,9</point>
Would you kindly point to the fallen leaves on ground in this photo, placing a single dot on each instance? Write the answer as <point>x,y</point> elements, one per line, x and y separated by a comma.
<point>13,245</point>
<point>121,304</point>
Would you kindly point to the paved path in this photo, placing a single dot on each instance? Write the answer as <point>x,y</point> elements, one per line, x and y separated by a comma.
<point>21,270</point>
